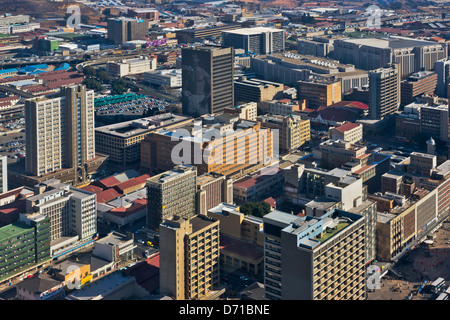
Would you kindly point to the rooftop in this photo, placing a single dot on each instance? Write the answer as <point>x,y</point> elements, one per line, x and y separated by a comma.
<point>13,230</point>
<point>393,42</point>
<point>253,31</point>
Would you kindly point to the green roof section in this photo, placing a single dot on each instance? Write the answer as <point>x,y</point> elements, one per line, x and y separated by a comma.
<point>332,232</point>
<point>14,229</point>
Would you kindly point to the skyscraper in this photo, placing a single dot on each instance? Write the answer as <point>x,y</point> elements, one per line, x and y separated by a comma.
<point>207,79</point>
<point>384,88</point>
<point>171,193</point>
<point>189,258</point>
<point>314,258</point>
<point>3,174</point>
<point>124,29</point>
<point>257,40</point>
<point>443,73</point>
<point>60,132</point>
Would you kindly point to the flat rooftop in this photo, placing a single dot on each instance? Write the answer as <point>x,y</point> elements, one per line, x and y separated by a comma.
<point>393,42</point>
<point>13,230</point>
<point>253,31</point>
<point>136,127</point>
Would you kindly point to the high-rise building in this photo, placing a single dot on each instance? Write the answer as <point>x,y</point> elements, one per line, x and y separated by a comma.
<point>258,40</point>
<point>314,258</point>
<point>319,92</point>
<point>171,193</point>
<point>189,258</point>
<point>220,147</point>
<point>212,189</point>
<point>3,174</point>
<point>443,77</point>
<point>434,122</point>
<point>72,211</point>
<point>384,88</point>
<point>60,132</point>
<point>27,244</point>
<point>422,82</point>
<point>123,29</point>
<point>207,79</point>
<point>293,130</point>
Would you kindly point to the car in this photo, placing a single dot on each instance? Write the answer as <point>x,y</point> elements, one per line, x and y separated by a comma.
<point>243,278</point>
<point>141,241</point>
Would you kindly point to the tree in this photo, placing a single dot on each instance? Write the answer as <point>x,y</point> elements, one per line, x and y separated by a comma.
<point>119,87</point>
<point>89,71</point>
<point>102,75</point>
<point>255,209</point>
<point>93,84</point>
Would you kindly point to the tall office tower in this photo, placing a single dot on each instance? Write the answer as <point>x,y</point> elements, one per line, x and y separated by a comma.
<point>171,193</point>
<point>60,132</point>
<point>3,174</point>
<point>417,84</point>
<point>259,40</point>
<point>314,258</point>
<point>442,68</point>
<point>434,121</point>
<point>384,90</point>
<point>189,258</point>
<point>207,79</point>
<point>319,92</point>
<point>123,29</point>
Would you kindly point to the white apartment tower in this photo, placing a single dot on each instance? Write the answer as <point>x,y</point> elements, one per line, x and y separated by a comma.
<point>60,131</point>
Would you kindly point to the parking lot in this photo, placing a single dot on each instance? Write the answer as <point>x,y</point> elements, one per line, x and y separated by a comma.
<point>12,145</point>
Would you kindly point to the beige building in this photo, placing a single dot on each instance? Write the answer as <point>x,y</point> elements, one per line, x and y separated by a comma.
<point>223,148</point>
<point>247,111</point>
<point>171,193</point>
<point>131,66</point>
<point>319,92</point>
<point>314,258</point>
<point>351,132</point>
<point>236,224</point>
<point>189,258</point>
<point>55,139</point>
<point>293,131</point>
<point>212,189</point>
<point>337,153</point>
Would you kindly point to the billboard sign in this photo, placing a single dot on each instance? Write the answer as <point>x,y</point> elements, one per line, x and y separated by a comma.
<point>196,82</point>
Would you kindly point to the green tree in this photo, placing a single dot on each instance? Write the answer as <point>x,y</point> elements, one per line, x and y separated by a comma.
<point>255,209</point>
<point>89,71</point>
<point>102,75</point>
<point>93,84</point>
<point>119,87</point>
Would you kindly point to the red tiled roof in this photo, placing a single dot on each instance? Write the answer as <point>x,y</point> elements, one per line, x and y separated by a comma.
<point>248,182</point>
<point>363,169</point>
<point>107,195</point>
<point>131,183</point>
<point>93,189</point>
<point>109,182</point>
<point>350,104</point>
<point>271,201</point>
<point>347,126</point>
<point>123,212</point>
